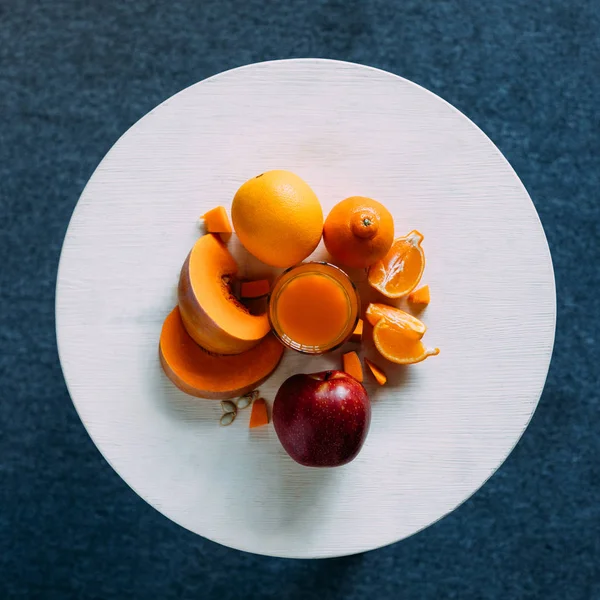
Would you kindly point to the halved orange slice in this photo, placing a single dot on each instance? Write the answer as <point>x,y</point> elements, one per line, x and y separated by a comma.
<point>394,345</point>
<point>400,270</point>
<point>411,325</point>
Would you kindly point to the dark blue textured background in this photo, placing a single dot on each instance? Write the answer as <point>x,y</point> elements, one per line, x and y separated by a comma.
<point>75,74</point>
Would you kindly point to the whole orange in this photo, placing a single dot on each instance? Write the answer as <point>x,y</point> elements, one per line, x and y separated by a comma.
<point>278,218</point>
<point>358,231</point>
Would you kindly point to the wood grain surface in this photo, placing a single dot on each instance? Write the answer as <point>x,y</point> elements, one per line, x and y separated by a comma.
<point>439,429</point>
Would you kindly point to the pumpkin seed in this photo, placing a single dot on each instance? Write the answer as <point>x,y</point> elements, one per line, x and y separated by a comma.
<point>227,419</point>
<point>228,406</point>
<point>244,402</point>
<point>247,399</point>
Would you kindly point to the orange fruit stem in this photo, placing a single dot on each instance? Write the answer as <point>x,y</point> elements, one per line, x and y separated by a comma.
<point>365,223</point>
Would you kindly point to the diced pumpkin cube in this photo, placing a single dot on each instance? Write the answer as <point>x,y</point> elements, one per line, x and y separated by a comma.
<point>352,365</point>
<point>377,372</point>
<point>358,332</point>
<point>259,415</point>
<point>255,289</point>
<point>217,221</point>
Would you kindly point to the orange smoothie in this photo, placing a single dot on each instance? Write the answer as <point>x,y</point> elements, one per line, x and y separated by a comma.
<point>313,309</point>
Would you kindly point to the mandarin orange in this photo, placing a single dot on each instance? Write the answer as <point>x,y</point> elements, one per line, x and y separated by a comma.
<point>358,231</point>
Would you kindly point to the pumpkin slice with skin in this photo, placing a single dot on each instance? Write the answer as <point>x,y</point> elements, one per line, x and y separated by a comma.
<point>199,373</point>
<point>210,312</point>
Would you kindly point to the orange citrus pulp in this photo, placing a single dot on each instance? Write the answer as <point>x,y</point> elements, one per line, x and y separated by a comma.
<point>412,327</point>
<point>400,270</point>
<point>397,347</point>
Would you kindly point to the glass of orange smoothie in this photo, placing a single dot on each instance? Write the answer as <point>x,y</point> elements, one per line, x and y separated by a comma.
<point>313,307</point>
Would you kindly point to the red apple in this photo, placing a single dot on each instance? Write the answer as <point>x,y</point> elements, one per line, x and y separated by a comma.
<point>322,419</point>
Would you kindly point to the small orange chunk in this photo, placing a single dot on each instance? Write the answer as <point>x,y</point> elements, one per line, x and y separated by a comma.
<point>352,365</point>
<point>259,415</point>
<point>420,296</point>
<point>255,289</point>
<point>217,221</point>
<point>358,332</point>
<point>377,372</point>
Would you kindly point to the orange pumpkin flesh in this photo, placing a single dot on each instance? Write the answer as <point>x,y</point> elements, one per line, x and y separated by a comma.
<point>259,415</point>
<point>217,221</point>
<point>377,372</point>
<point>211,314</point>
<point>205,375</point>
<point>352,366</point>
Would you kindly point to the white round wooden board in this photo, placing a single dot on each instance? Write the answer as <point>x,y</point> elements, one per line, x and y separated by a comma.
<point>439,429</point>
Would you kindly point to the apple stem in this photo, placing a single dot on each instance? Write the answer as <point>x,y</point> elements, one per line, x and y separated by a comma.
<point>328,375</point>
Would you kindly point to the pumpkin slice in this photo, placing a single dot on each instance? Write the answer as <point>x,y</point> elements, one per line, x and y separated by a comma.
<point>210,312</point>
<point>199,373</point>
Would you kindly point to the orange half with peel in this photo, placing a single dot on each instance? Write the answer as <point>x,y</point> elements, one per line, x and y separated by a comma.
<point>412,327</point>
<point>397,347</point>
<point>400,270</point>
